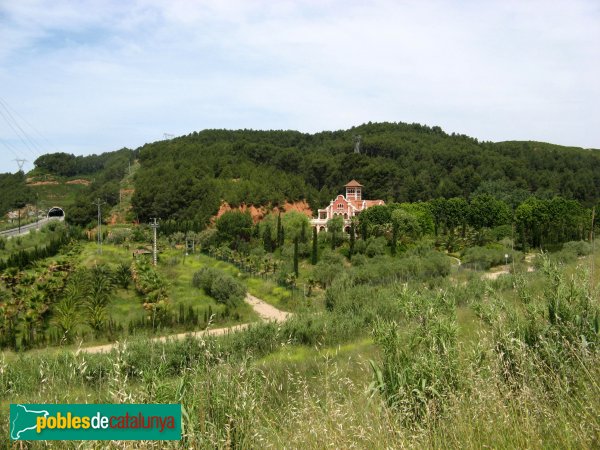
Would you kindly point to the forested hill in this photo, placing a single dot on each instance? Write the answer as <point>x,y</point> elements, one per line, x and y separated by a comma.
<point>187,177</point>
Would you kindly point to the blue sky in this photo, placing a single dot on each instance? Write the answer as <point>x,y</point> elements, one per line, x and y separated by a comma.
<point>93,76</point>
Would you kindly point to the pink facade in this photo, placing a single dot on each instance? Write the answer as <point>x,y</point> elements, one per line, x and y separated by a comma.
<point>346,206</point>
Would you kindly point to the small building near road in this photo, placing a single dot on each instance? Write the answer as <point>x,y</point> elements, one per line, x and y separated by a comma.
<point>347,206</point>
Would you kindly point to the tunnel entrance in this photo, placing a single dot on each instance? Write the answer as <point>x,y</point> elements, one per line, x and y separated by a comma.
<point>56,212</point>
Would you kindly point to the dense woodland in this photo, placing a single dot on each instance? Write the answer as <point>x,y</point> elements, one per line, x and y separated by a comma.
<point>15,193</point>
<point>187,177</point>
<point>106,171</point>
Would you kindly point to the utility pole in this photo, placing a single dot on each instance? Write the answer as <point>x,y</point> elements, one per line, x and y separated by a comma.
<point>592,241</point>
<point>99,203</point>
<point>154,226</point>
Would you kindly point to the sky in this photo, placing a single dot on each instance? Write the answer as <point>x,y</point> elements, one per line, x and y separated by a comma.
<point>93,76</point>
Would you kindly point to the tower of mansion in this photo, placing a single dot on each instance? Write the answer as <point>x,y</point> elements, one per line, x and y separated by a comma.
<point>346,206</point>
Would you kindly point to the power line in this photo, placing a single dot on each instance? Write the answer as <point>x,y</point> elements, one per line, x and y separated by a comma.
<point>10,148</point>
<point>13,126</point>
<point>53,147</point>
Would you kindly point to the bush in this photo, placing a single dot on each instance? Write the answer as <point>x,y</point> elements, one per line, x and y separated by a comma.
<point>220,286</point>
<point>119,235</point>
<point>580,248</point>
<point>482,258</point>
<point>203,279</point>
<point>385,269</point>
<point>227,290</point>
<point>375,246</point>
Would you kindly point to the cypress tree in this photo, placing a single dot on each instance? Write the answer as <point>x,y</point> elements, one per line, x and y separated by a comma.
<point>352,240</point>
<point>296,256</point>
<point>256,231</point>
<point>267,239</point>
<point>394,239</point>
<point>363,229</point>
<point>279,231</point>
<point>315,248</point>
<point>303,232</point>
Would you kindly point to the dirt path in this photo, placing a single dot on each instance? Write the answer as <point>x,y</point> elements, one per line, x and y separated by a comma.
<point>495,272</point>
<point>265,311</point>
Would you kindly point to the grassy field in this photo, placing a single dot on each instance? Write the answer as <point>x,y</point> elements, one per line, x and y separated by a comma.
<point>60,194</point>
<point>126,305</point>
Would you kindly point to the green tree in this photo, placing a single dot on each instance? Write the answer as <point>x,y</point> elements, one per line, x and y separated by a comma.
<point>352,240</point>
<point>314,257</point>
<point>406,224</point>
<point>487,211</point>
<point>335,228</point>
<point>296,256</point>
<point>303,236</point>
<point>268,243</point>
<point>234,226</point>
<point>280,236</point>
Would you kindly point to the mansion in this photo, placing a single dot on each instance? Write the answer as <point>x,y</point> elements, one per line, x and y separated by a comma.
<point>346,206</point>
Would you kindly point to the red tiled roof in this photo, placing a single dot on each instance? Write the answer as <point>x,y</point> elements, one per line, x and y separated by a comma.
<point>358,204</point>
<point>353,183</point>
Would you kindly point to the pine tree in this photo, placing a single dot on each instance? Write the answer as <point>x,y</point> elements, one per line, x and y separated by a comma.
<point>315,248</point>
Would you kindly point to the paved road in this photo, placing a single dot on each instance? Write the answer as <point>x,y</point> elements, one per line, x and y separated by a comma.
<point>263,309</point>
<point>27,228</point>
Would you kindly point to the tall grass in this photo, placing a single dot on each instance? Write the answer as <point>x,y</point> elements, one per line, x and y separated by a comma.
<point>529,381</point>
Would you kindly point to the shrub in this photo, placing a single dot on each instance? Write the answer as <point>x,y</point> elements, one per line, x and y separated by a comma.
<point>482,258</point>
<point>225,289</point>
<point>203,279</point>
<point>220,286</point>
<point>579,248</point>
<point>119,235</point>
<point>375,246</point>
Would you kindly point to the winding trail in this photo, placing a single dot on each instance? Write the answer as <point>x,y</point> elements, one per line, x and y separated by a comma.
<point>495,272</point>
<point>265,311</point>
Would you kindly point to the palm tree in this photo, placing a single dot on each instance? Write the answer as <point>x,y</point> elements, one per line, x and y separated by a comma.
<point>98,297</point>
<point>67,313</point>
